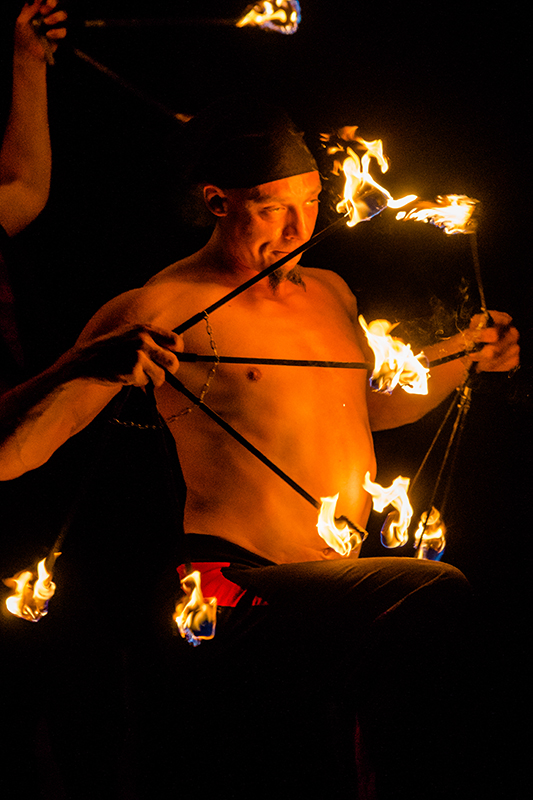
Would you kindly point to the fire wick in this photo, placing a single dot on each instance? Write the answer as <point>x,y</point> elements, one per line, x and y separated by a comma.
<point>263,274</point>
<point>177,384</point>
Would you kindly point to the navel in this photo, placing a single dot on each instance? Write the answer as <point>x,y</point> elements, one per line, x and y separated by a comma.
<point>254,374</point>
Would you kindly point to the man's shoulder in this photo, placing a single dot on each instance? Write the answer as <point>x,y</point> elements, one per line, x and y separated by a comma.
<point>168,298</point>
<point>186,270</point>
<point>330,281</point>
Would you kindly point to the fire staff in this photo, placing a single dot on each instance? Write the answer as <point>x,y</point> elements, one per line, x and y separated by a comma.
<point>296,620</point>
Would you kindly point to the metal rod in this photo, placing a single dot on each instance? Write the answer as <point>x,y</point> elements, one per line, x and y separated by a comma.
<point>125,84</point>
<point>157,22</point>
<point>295,362</point>
<point>463,406</point>
<point>477,273</point>
<point>260,275</point>
<point>278,362</point>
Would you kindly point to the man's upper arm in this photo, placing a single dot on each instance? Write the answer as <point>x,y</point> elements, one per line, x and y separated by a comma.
<point>19,205</point>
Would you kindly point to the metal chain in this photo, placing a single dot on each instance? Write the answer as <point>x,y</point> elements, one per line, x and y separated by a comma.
<point>210,375</point>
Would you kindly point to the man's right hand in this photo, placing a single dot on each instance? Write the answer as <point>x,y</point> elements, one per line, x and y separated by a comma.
<point>132,356</point>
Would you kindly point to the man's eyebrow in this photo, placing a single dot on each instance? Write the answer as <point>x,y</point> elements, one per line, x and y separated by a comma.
<point>259,197</point>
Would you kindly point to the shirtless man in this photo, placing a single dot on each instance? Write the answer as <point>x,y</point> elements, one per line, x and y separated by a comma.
<point>313,423</point>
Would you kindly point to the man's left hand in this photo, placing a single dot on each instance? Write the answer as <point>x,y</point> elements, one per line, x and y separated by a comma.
<point>501,352</point>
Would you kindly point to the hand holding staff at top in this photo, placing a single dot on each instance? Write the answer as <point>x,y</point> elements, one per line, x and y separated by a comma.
<point>501,351</point>
<point>34,31</point>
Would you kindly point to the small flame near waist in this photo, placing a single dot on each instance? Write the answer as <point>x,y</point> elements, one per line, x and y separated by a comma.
<point>395,530</point>
<point>343,538</point>
<point>32,590</point>
<point>430,536</point>
<point>194,615</point>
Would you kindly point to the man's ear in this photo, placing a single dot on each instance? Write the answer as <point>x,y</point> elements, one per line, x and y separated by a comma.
<point>216,200</point>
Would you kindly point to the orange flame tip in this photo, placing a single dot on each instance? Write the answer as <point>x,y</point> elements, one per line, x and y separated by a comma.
<point>453,213</point>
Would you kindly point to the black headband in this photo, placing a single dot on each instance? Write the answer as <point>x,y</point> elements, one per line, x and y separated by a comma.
<point>241,142</point>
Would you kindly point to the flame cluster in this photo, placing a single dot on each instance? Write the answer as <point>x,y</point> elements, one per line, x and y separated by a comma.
<point>394,362</point>
<point>32,590</point>
<point>282,16</point>
<point>363,197</point>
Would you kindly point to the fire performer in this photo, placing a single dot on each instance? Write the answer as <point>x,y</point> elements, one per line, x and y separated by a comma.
<point>299,626</point>
<point>25,159</point>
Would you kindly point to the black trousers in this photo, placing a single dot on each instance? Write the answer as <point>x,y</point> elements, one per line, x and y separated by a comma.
<point>354,679</point>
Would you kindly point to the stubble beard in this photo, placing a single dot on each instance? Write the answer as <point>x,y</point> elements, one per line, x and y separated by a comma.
<point>294,275</point>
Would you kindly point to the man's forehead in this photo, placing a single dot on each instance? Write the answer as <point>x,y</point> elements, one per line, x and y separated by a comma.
<point>306,183</point>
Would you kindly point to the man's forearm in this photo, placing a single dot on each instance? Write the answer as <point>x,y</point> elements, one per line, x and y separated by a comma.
<point>37,417</point>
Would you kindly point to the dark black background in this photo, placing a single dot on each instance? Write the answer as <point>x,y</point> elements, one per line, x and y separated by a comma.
<point>446,86</point>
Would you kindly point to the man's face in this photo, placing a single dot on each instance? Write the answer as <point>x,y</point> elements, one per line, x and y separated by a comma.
<point>271,220</point>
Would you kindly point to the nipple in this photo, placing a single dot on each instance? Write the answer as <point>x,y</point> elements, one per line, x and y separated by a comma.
<point>254,374</point>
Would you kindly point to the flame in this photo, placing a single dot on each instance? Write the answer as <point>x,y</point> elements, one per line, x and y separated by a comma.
<point>453,213</point>
<point>282,16</point>
<point>31,592</point>
<point>430,536</point>
<point>394,531</point>
<point>395,363</point>
<point>341,539</point>
<point>363,196</point>
<point>194,615</point>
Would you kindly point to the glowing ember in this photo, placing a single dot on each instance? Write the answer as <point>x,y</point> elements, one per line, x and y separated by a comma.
<point>31,592</point>
<point>395,363</point>
<point>452,212</point>
<point>341,539</point>
<point>430,536</point>
<point>394,531</point>
<point>194,615</point>
<point>282,16</point>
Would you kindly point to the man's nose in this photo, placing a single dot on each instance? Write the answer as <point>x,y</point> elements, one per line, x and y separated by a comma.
<point>296,226</point>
